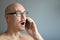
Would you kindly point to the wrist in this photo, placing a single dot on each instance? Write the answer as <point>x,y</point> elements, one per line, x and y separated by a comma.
<point>38,37</point>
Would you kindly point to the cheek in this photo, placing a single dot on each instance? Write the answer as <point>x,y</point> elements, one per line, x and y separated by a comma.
<point>18,19</point>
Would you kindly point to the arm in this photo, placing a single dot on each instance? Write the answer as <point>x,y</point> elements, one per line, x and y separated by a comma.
<point>38,37</point>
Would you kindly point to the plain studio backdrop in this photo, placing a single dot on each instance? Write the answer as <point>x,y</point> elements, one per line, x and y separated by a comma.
<point>46,14</point>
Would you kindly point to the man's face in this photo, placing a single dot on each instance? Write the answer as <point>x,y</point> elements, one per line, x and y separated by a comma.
<point>20,19</point>
<point>17,16</point>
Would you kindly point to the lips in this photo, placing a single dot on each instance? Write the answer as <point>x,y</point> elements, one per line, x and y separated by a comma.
<point>22,23</point>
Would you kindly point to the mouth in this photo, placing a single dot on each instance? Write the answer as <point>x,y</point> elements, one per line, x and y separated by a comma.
<point>22,23</point>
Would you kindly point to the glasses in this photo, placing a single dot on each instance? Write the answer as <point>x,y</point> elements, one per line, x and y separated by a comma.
<point>18,13</point>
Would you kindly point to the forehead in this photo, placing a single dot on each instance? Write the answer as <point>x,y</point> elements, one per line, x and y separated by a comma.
<point>14,7</point>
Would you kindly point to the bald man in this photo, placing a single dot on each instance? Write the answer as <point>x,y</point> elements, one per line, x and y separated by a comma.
<point>17,21</point>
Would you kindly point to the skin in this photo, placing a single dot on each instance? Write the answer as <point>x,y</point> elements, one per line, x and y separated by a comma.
<point>15,27</point>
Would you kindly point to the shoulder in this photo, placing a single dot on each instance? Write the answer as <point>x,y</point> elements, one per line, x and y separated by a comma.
<point>2,37</point>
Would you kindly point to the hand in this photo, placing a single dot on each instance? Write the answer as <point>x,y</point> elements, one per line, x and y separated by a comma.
<point>32,30</point>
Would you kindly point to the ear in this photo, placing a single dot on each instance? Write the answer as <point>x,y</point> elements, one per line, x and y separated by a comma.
<point>6,16</point>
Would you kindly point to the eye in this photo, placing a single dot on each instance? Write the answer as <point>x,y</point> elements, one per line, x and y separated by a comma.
<point>18,13</point>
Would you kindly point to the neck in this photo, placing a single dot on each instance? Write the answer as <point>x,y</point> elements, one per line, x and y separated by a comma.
<point>12,30</point>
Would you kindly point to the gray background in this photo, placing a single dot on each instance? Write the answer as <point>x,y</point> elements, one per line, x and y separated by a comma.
<point>46,14</point>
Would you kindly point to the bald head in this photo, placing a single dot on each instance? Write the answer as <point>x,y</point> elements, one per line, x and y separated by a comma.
<point>14,7</point>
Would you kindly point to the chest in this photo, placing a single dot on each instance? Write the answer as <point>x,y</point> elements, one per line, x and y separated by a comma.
<point>14,38</point>
<point>9,38</point>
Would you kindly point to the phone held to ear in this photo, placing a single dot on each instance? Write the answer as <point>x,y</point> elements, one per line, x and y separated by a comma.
<point>28,24</point>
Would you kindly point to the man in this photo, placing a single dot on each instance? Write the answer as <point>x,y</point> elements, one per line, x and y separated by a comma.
<point>17,21</point>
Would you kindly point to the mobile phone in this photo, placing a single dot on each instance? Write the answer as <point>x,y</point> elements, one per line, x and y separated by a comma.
<point>28,24</point>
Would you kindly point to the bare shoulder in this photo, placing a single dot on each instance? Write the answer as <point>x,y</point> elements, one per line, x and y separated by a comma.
<point>2,37</point>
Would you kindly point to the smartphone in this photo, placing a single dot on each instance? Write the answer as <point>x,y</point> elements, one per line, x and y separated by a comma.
<point>28,24</point>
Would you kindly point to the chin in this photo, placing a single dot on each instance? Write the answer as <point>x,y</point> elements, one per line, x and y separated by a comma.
<point>21,28</point>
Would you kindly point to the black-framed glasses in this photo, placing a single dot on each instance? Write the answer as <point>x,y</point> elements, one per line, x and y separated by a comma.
<point>18,13</point>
